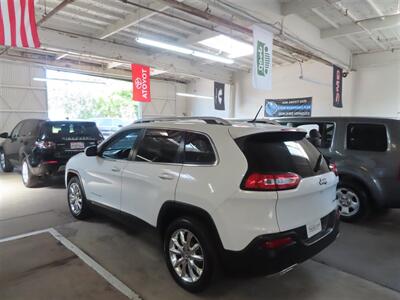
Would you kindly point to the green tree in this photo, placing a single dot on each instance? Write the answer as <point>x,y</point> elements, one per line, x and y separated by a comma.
<point>118,105</point>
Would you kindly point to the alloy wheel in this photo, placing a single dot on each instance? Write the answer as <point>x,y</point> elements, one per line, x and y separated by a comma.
<point>75,198</point>
<point>2,160</point>
<point>349,202</point>
<point>186,255</point>
<point>25,172</point>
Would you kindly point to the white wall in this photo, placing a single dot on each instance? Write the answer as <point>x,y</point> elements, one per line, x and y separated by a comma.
<point>205,107</point>
<point>286,84</point>
<point>20,96</point>
<point>164,101</point>
<point>377,85</point>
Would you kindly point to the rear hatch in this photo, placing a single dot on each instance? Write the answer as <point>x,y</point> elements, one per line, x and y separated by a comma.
<point>286,163</point>
<point>70,137</point>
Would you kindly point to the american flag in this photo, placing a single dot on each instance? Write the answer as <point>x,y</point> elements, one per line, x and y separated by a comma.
<point>18,24</point>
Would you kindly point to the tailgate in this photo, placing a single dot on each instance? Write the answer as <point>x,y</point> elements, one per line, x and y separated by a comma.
<point>314,198</point>
<point>69,146</point>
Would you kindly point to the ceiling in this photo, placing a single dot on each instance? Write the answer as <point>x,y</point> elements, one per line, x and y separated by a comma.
<point>120,23</point>
<point>378,27</point>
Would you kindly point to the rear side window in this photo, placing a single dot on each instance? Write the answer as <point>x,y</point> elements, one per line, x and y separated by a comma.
<point>29,128</point>
<point>66,129</point>
<point>367,137</point>
<point>159,145</point>
<point>326,131</point>
<point>198,150</point>
<point>272,153</point>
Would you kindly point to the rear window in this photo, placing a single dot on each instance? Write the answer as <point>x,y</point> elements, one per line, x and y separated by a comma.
<point>367,137</point>
<point>159,145</point>
<point>272,153</point>
<point>198,150</point>
<point>59,129</point>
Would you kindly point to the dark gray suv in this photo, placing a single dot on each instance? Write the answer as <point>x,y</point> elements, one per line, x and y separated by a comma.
<point>367,155</point>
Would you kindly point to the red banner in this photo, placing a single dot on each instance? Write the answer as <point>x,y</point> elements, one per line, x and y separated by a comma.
<point>141,83</point>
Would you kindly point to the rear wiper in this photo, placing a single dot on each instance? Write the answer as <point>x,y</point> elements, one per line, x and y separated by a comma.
<point>318,164</point>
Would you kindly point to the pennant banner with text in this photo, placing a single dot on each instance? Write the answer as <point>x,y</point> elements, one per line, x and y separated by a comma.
<point>262,58</point>
<point>141,83</point>
<point>337,86</point>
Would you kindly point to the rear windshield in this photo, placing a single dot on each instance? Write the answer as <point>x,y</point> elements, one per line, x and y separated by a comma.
<point>282,152</point>
<point>62,129</point>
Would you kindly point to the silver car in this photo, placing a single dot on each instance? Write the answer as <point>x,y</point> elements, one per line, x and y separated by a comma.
<point>367,155</point>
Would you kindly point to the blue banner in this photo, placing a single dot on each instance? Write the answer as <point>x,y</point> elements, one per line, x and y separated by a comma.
<point>293,107</point>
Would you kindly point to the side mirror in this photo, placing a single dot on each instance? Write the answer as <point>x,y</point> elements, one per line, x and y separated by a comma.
<point>91,151</point>
<point>4,135</point>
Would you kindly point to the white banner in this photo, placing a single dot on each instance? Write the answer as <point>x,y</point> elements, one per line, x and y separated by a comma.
<point>262,58</point>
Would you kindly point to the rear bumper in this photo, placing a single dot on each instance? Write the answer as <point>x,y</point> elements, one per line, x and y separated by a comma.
<point>45,169</point>
<point>256,260</point>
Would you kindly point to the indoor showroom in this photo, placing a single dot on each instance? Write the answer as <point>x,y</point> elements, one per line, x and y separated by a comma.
<point>199,149</point>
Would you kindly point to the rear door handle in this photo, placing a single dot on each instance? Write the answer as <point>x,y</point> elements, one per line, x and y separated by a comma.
<point>115,169</point>
<point>166,176</point>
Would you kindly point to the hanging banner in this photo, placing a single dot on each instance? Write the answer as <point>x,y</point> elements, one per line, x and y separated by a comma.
<point>141,83</point>
<point>262,58</point>
<point>294,107</point>
<point>337,86</point>
<point>219,96</point>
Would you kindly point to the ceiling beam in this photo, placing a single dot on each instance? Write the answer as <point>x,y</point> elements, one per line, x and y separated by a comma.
<point>357,43</point>
<point>301,6</point>
<point>369,24</point>
<point>131,20</point>
<point>86,46</point>
<point>56,9</point>
<point>324,17</point>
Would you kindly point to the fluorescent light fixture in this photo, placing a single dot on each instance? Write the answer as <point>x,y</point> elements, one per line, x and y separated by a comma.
<point>233,47</point>
<point>184,50</point>
<point>67,80</point>
<point>163,46</point>
<point>194,96</point>
<point>213,57</point>
<point>155,72</point>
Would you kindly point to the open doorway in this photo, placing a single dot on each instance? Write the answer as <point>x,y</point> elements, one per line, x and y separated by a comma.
<point>108,102</point>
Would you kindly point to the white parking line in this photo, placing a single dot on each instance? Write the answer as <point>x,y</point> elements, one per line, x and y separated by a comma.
<point>114,281</point>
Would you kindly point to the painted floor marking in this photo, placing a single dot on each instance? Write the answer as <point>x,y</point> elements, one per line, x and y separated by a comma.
<point>110,278</point>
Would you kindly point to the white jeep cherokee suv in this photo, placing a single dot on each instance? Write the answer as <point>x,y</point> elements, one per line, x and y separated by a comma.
<point>247,197</point>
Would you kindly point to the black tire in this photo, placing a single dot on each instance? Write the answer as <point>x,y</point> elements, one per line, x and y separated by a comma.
<point>357,193</point>
<point>5,164</point>
<point>75,188</point>
<point>28,179</point>
<point>209,264</point>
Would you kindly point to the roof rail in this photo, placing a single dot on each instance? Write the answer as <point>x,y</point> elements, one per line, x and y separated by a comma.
<point>208,120</point>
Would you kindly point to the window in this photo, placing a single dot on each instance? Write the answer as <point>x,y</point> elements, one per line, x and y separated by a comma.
<point>69,129</point>
<point>29,128</point>
<point>121,146</point>
<point>325,129</point>
<point>15,132</point>
<point>159,145</point>
<point>367,137</point>
<point>198,150</point>
<point>281,153</point>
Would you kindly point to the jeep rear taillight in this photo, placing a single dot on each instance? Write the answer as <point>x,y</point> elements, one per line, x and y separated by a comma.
<point>271,182</point>
<point>333,168</point>
<point>45,144</point>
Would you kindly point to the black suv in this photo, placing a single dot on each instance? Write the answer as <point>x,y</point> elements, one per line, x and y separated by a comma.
<point>43,147</point>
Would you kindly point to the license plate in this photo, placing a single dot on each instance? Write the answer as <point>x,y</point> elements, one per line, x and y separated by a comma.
<point>77,145</point>
<point>313,228</point>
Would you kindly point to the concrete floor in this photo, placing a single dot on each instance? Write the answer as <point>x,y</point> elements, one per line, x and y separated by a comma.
<point>363,263</point>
